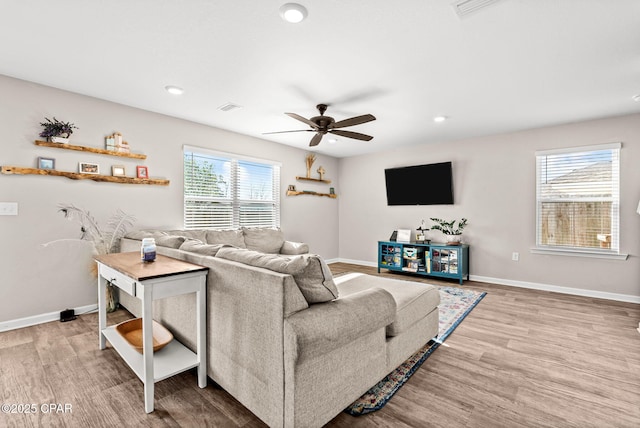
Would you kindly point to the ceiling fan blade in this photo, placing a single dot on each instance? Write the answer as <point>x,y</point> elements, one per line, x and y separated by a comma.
<point>283,132</point>
<point>354,121</point>
<point>315,140</point>
<point>302,119</point>
<point>349,134</point>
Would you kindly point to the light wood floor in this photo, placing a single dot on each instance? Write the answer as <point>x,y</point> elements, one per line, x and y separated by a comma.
<point>522,358</point>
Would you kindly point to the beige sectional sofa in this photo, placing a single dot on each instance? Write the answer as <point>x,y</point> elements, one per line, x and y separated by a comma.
<point>292,344</point>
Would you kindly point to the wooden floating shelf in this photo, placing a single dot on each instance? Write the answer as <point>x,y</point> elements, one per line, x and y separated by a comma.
<point>313,179</point>
<point>295,193</point>
<point>78,176</point>
<point>90,150</point>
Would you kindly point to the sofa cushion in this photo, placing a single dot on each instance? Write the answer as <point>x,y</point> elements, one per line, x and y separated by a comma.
<point>413,300</point>
<point>199,234</point>
<point>233,237</point>
<point>310,272</point>
<point>197,246</point>
<point>263,239</point>
<point>274,262</point>
<point>170,241</point>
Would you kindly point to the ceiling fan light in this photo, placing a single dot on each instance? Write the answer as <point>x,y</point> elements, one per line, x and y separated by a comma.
<point>293,12</point>
<point>332,140</point>
<point>440,119</point>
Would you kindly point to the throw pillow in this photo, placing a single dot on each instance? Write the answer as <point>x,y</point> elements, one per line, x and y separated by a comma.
<point>316,281</point>
<point>197,246</point>
<point>231,237</point>
<point>263,239</point>
<point>310,272</point>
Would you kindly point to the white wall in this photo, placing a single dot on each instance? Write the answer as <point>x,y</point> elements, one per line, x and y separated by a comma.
<point>37,279</point>
<point>494,187</point>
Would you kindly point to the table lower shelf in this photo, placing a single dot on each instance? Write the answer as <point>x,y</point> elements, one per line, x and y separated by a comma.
<point>170,360</point>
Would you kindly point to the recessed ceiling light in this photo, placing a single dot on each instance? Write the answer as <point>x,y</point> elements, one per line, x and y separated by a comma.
<point>174,90</point>
<point>636,98</point>
<point>439,119</point>
<point>293,12</point>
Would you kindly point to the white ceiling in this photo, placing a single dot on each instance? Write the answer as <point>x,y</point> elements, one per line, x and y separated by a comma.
<point>517,64</point>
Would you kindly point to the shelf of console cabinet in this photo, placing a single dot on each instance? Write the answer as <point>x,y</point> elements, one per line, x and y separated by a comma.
<point>295,193</point>
<point>317,180</point>
<point>17,170</point>
<point>90,150</point>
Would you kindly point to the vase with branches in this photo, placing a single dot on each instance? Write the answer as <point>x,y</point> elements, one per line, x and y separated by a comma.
<point>105,240</point>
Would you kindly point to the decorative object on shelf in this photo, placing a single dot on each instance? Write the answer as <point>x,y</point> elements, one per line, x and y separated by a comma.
<point>131,331</point>
<point>57,131</point>
<point>448,228</point>
<point>404,235</point>
<point>117,170</point>
<point>142,172</point>
<point>115,143</point>
<point>321,172</point>
<point>332,191</point>
<point>46,163</point>
<point>88,168</point>
<point>104,241</point>
<point>420,232</point>
<point>310,159</point>
<point>291,188</point>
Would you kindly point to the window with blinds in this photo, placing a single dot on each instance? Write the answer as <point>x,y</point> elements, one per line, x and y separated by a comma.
<point>578,198</point>
<point>225,191</point>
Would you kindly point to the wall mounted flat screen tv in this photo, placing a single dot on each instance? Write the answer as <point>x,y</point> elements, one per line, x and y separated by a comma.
<point>430,184</point>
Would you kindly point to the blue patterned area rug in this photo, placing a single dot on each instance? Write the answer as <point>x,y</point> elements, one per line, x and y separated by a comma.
<point>455,305</point>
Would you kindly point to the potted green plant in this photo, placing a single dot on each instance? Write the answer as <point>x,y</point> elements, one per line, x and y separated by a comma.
<point>449,229</point>
<point>57,131</point>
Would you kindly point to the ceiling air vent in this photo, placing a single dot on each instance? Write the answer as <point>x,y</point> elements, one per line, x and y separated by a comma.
<point>467,7</point>
<point>229,107</point>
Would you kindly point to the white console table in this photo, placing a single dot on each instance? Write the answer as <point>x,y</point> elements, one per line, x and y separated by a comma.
<point>160,279</point>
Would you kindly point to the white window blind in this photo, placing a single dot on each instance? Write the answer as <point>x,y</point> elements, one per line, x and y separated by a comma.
<point>578,198</point>
<point>223,191</point>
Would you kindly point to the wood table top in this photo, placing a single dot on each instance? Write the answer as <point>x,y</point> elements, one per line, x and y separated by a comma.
<point>132,265</point>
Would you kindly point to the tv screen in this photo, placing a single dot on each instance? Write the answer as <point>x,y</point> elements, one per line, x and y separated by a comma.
<point>430,184</point>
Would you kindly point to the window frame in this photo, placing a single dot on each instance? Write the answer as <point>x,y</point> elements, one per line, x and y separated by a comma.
<point>234,200</point>
<point>614,251</point>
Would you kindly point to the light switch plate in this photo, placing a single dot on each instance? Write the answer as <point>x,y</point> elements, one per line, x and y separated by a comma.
<point>8,208</point>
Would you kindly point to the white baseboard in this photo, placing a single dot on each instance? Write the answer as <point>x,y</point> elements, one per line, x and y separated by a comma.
<point>42,318</point>
<point>356,262</point>
<point>531,285</point>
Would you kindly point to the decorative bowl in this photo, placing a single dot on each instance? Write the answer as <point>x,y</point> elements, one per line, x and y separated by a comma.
<point>131,331</point>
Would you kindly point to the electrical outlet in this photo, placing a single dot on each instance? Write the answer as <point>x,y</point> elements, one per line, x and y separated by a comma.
<point>515,257</point>
<point>8,208</point>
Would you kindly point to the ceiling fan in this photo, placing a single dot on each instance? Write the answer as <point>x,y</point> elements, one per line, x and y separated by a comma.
<point>322,125</point>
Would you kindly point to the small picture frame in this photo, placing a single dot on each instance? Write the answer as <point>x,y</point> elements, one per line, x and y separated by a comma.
<point>117,170</point>
<point>46,163</point>
<point>404,235</point>
<point>88,168</point>
<point>142,171</point>
<point>332,191</point>
<point>292,188</point>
